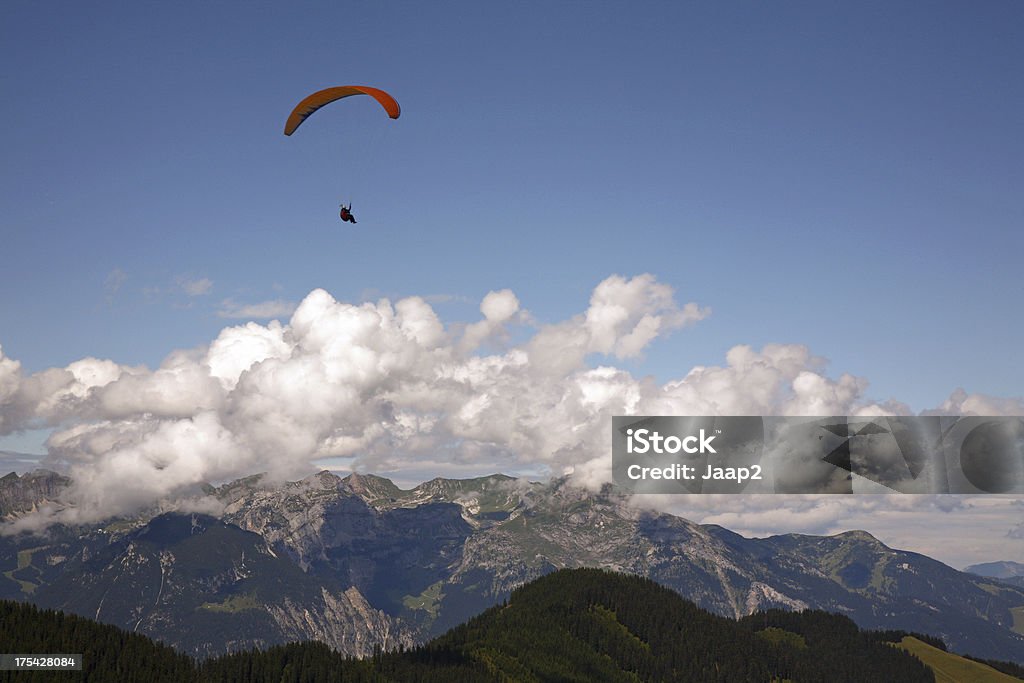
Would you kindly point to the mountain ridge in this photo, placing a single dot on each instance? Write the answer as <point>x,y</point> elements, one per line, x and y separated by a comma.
<point>430,557</point>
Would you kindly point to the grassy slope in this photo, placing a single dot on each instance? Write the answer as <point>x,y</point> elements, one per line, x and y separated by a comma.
<point>950,668</point>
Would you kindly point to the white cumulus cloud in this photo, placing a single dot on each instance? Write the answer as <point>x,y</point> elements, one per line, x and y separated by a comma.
<point>389,386</point>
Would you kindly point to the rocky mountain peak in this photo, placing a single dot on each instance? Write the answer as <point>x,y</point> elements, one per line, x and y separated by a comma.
<point>324,479</point>
<point>861,536</point>
<point>373,490</point>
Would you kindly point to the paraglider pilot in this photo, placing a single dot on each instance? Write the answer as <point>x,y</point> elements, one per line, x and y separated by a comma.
<point>346,213</point>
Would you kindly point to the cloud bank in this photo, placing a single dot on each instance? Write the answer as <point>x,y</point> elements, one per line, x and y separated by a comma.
<point>387,386</point>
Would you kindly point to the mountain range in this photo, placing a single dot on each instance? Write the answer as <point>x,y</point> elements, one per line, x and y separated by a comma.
<point>357,562</point>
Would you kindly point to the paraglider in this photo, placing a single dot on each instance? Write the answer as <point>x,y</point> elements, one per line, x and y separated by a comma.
<point>310,104</point>
<point>346,213</point>
<point>320,98</point>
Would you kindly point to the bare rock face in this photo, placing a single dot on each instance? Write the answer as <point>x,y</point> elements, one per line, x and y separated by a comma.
<point>19,495</point>
<point>345,621</point>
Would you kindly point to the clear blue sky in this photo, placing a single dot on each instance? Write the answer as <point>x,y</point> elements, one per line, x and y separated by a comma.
<point>842,175</point>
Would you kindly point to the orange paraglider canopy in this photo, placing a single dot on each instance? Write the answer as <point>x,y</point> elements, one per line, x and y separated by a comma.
<point>318,99</point>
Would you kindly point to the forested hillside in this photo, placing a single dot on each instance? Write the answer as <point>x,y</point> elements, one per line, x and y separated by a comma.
<point>572,625</point>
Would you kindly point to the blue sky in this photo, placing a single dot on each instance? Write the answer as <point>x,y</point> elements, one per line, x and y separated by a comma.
<point>844,176</point>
